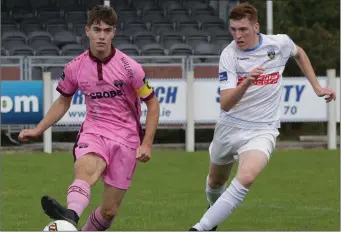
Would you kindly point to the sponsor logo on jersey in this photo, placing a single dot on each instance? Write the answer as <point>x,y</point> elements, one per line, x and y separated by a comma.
<point>118,83</point>
<point>223,76</point>
<point>106,94</point>
<point>271,54</point>
<point>266,79</point>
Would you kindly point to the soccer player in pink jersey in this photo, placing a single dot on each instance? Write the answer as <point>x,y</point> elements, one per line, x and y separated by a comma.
<point>110,140</point>
<point>250,79</point>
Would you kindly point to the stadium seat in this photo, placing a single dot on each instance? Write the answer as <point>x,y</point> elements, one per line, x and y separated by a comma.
<point>39,36</point>
<point>21,50</point>
<point>57,25</point>
<point>64,37</point>
<point>122,6</point>
<point>79,29</point>
<point>143,38</point>
<point>145,27</point>
<point>223,38</point>
<point>134,26</point>
<point>167,39</point>
<point>184,31</point>
<point>68,6</point>
<point>121,38</point>
<point>48,15</point>
<point>160,27</point>
<point>181,50</point>
<point>42,5</point>
<point>91,3</point>
<point>8,27</point>
<point>23,14</point>
<point>72,50</point>
<point>151,9</point>
<point>28,28</point>
<point>47,50</point>
<point>173,8</point>
<point>207,49</point>
<point>8,45</point>
<point>16,5</point>
<point>13,36</point>
<point>196,38</point>
<point>129,49</point>
<point>122,20</point>
<point>76,17</point>
<point>182,21</point>
<point>140,4</point>
<point>153,16</point>
<point>153,50</point>
<point>200,8</point>
<point>211,23</point>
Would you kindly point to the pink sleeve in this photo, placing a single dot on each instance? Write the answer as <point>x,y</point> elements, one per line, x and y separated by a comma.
<point>141,85</point>
<point>67,85</point>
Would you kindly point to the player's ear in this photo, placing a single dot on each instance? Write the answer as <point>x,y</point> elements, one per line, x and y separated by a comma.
<point>256,27</point>
<point>87,29</point>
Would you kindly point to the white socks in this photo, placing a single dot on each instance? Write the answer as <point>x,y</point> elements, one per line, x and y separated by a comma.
<point>213,194</point>
<point>223,207</point>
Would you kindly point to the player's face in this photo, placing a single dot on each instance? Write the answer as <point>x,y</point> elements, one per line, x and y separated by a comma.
<point>244,32</point>
<point>100,36</point>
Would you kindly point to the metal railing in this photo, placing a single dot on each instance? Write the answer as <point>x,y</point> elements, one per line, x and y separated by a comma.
<point>14,61</point>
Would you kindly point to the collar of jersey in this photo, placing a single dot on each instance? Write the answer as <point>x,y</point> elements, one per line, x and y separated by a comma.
<point>257,46</point>
<point>106,60</point>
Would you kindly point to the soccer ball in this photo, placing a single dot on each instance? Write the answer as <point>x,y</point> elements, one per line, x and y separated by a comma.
<point>60,225</point>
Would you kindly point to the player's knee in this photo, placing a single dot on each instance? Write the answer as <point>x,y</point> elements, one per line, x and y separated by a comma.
<point>89,168</point>
<point>246,178</point>
<point>215,182</point>
<point>109,213</point>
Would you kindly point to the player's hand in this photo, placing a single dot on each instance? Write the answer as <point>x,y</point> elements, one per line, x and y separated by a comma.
<point>254,75</point>
<point>26,134</point>
<point>143,153</point>
<point>329,94</point>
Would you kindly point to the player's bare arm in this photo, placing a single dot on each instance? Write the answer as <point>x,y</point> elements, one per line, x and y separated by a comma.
<point>143,153</point>
<point>55,113</point>
<point>230,97</point>
<point>303,62</point>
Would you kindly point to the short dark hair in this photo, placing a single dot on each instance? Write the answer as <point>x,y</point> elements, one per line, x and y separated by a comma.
<point>244,10</point>
<point>102,13</point>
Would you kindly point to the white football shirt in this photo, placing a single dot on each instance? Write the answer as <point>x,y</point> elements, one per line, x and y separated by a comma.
<point>259,108</point>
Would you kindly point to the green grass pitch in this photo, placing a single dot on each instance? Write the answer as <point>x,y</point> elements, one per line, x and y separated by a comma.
<point>298,190</point>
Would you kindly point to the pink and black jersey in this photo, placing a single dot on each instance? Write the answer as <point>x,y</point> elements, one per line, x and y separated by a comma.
<point>113,89</point>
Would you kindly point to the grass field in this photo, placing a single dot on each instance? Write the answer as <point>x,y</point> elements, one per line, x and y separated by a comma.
<point>299,190</point>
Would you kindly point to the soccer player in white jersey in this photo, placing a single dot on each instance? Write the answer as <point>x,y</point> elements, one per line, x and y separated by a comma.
<point>250,77</point>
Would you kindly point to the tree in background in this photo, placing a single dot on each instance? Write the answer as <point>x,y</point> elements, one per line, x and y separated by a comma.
<point>312,24</point>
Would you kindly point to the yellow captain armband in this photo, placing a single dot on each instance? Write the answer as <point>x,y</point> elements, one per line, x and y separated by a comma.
<point>145,90</point>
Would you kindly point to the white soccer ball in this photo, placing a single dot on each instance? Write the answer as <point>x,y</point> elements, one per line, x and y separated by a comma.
<point>60,225</point>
